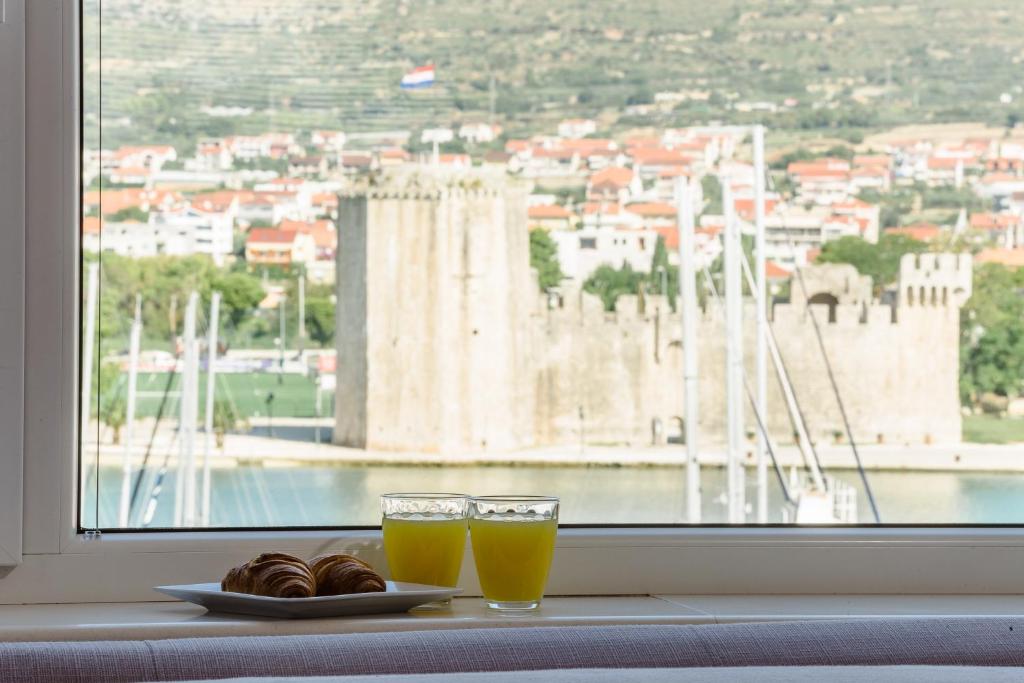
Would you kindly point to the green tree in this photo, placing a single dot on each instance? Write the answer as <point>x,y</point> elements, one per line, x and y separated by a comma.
<point>712,191</point>
<point>320,320</point>
<point>114,413</point>
<point>544,258</point>
<point>129,214</point>
<point>881,261</point>
<point>992,334</point>
<point>240,294</point>
<point>608,283</point>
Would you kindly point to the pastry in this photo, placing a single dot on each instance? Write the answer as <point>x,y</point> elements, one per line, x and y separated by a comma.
<point>344,574</point>
<point>277,575</point>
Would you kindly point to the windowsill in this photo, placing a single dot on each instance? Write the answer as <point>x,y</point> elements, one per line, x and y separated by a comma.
<point>157,620</point>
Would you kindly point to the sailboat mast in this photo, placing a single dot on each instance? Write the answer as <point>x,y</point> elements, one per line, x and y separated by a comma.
<point>761,343</point>
<point>134,343</point>
<point>211,376</point>
<point>733,356</point>
<point>688,305</point>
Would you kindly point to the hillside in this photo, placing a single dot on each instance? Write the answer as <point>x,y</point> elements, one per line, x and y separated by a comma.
<point>843,64</point>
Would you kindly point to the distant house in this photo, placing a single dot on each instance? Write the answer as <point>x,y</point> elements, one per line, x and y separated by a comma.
<point>477,133</point>
<point>576,128</point>
<point>581,252</point>
<point>328,140</point>
<point>150,157</point>
<point>1011,258</point>
<point>272,247</point>
<point>211,155</point>
<point>315,166</point>
<point>550,217</point>
<point>193,231</point>
<point>651,215</point>
<point>323,232</point>
<point>614,182</point>
<point>1003,229</point>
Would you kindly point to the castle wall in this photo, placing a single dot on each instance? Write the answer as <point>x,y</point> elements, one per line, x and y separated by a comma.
<point>898,380</point>
<point>445,345</point>
<point>431,318</point>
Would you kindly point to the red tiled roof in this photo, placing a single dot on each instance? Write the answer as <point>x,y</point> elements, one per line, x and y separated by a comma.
<point>923,232</point>
<point>91,225</point>
<point>609,208</point>
<point>614,177</point>
<point>658,156</point>
<point>652,209</point>
<point>670,233</point>
<point>773,271</point>
<point>1013,258</point>
<point>270,236</point>
<point>323,232</point>
<point>549,211</point>
<point>993,221</point>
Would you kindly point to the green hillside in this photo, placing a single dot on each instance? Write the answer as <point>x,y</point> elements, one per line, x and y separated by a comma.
<point>299,64</point>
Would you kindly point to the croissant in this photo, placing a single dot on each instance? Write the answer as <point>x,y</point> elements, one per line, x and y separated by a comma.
<point>277,575</point>
<point>344,574</point>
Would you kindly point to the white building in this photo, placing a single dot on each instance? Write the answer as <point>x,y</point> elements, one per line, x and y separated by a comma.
<point>476,133</point>
<point>581,252</point>
<point>189,231</point>
<point>576,128</point>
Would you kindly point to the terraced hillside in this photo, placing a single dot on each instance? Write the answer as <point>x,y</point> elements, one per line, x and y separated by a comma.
<point>844,64</point>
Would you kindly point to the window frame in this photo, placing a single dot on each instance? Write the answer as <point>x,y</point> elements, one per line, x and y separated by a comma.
<point>59,564</point>
<point>12,275</point>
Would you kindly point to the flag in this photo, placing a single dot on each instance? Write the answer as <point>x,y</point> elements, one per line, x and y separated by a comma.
<point>420,77</point>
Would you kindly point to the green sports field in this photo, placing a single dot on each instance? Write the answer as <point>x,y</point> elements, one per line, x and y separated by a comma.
<point>293,395</point>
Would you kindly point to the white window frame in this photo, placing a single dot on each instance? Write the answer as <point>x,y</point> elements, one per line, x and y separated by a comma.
<point>59,565</point>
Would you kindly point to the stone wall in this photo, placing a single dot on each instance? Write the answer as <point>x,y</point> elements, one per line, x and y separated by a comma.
<point>445,345</point>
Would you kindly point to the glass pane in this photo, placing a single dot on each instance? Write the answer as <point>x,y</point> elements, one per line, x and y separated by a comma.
<point>350,247</point>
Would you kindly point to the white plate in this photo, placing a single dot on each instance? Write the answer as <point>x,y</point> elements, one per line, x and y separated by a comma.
<point>399,597</point>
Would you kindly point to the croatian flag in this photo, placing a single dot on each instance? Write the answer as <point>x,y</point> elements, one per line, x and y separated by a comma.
<point>420,77</point>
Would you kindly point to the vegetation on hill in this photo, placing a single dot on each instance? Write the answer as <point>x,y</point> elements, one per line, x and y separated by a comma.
<point>837,66</point>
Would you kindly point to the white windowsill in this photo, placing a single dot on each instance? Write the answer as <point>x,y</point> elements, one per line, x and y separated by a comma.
<point>157,620</point>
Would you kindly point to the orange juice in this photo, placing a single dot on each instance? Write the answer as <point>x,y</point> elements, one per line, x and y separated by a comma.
<point>513,556</point>
<point>425,548</point>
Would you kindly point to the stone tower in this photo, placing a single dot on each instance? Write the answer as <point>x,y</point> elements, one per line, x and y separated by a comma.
<point>431,318</point>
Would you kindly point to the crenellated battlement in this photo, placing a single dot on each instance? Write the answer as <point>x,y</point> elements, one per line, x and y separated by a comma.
<point>431,183</point>
<point>935,280</point>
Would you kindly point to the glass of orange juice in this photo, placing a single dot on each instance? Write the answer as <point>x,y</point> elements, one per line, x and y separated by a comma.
<point>513,542</point>
<point>425,537</point>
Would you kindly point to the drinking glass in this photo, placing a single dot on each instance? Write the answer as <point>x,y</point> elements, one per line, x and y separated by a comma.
<point>425,537</point>
<point>513,541</point>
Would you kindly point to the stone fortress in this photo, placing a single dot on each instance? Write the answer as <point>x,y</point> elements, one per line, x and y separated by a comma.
<point>446,344</point>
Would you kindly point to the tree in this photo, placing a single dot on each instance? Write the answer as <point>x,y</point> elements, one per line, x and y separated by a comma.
<point>608,283</point>
<point>320,320</point>
<point>225,419</point>
<point>712,191</point>
<point>240,294</point>
<point>992,334</point>
<point>114,414</point>
<point>544,259</point>
<point>129,214</point>
<point>881,261</point>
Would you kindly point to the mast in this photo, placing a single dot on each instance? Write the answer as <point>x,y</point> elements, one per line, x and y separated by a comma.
<point>688,306</point>
<point>135,341</point>
<point>185,490</point>
<point>302,313</point>
<point>761,344</point>
<point>733,356</point>
<point>281,332</point>
<point>211,376</point>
